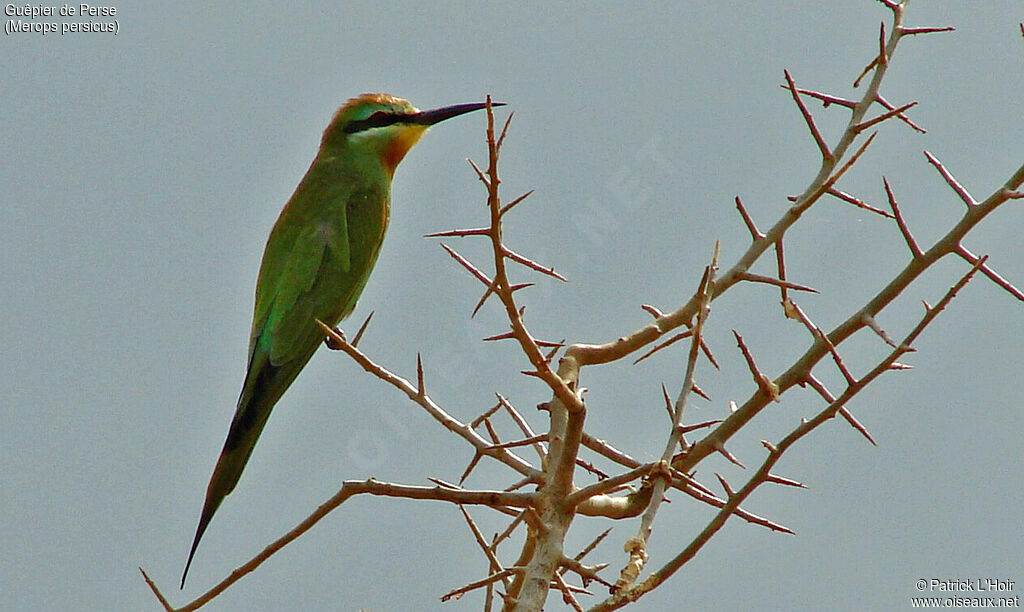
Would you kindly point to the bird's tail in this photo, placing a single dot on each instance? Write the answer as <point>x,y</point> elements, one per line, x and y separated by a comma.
<point>259,394</point>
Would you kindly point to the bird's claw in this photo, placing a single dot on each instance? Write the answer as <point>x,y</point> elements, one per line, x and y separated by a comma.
<point>332,342</point>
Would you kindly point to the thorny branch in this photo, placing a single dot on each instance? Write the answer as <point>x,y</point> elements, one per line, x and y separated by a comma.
<point>546,513</point>
<point>348,490</point>
<point>775,452</point>
<point>638,544</point>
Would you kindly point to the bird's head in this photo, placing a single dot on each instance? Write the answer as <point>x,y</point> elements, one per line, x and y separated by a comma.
<point>387,125</point>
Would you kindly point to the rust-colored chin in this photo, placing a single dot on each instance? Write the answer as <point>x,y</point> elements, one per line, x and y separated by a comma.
<point>397,148</point>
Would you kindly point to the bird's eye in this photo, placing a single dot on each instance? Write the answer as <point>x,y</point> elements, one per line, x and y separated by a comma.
<point>377,119</point>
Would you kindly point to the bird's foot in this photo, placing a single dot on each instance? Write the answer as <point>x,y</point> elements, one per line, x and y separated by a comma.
<point>332,343</point>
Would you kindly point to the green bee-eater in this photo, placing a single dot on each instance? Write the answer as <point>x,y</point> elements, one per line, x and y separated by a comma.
<point>316,262</point>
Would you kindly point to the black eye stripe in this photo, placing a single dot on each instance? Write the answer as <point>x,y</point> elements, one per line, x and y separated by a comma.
<point>377,119</point>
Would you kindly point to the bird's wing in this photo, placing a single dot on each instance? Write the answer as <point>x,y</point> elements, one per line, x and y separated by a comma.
<point>307,259</point>
<point>307,254</point>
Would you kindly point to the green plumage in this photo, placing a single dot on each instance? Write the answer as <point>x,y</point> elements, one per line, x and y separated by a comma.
<point>317,260</point>
<point>314,267</point>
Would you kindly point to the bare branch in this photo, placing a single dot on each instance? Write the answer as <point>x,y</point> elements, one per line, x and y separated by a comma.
<point>454,425</point>
<point>775,453</point>
<point>732,459</point>
<point>826,99</point>
<point>883,54</point>
<point>529,263</point>
<point>661,345</point>
<point>349,489</point>
<point>653,311</point>
<point>755,234</point>
<point>501,285</point>
<point>780,264</point>
<point>593,544</point>
<point>842,195</point>
<point>907,236</point>
<point>860,127</point>
<point>663,475</point>
<point>362,329</point>
<point>796,312</point>
<point>900,116</point>
<point>585,572</point>
<point>513,203</point>
<point>871,323</point>
<point>566,590</point>
<point>548,512</point>
<point>850,162</point>
<point>925,30</point>
<point>767,386</point>
<point>971,258</point>
<point>467,265</point>
<point>421,389</point>
<point>784,481</point>
<point>823,391</point>
<point>702,425</point>
<point>480,419</point>
<point>457,593</point>
<point>796,374</point>
<point>825,152</point>
<point>512,336</point>
<point>476,231</point>
<point>472,464</point>
<point>493,562</point>
<point>525,442</point>
<point>952,182</point>
<point>608,485</point>
<point>510,529</point>
<point>867,70</point>
<point>504,128</point>
<point>479,173</point>
<point>725,485</point>
<point>156,591</point>
<point>758,278</point>
<point>523,426</point>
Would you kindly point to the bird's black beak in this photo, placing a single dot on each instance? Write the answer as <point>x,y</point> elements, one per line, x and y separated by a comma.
<point>438,115</point>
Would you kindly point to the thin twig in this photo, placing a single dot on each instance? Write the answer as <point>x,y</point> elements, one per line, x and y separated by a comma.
<point>968,200</point>
<point>822,146</point>
<point>907,236</point>
<point>496,576</point>
<point>755,234</point>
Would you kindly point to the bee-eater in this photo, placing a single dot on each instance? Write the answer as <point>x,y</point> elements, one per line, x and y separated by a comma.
<point>316,262</point>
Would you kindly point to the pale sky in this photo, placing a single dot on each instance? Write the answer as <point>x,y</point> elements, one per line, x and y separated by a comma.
<point>142,172</point>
